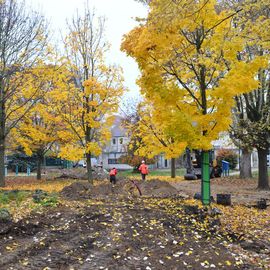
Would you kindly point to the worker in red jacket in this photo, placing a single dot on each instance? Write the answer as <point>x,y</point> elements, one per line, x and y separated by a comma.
<point>113,173</point>
<point>143,169</point>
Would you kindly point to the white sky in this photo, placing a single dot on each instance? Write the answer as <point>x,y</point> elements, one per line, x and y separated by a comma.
<point>120,16</point>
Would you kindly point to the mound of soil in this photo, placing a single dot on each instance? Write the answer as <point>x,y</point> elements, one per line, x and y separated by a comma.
<point>76,191</point>
<point>157,188</point>
<point>83,190</point>
<point>153,188</point>
<point>80,173</point>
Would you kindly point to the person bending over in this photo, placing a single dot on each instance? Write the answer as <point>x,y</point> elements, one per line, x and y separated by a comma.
<point>113,173</point>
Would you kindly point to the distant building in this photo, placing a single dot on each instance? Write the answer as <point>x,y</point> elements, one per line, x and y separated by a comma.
<point>162,162</point>
<point>116,148</point>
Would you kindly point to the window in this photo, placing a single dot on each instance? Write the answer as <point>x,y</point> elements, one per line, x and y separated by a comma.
<point>166,163</point>
<point>114,141</point>
<point>112,161</point>
<point>121,140</point>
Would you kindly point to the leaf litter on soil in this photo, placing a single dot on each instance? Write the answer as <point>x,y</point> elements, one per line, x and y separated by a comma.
<point>105,228</point>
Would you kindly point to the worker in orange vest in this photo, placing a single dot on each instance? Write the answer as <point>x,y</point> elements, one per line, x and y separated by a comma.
<point>143,169</point>
<point>113,173</point>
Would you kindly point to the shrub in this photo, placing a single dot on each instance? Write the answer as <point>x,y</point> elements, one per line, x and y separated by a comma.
<point>228,155</point>
<point>39,195</point>
<point>5,215</point>
<point>3,198</point>
<point>45,199</point>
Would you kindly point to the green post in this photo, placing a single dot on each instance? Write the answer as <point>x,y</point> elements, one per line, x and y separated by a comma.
<point>28,170</point>
<point>16,169</point>
<point>205,185</point>
<point>65,164</point>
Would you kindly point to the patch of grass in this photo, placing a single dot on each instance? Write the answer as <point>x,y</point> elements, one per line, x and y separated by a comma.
<point>3,198</point>
<point>256,173</point>
<point>164,172</point>
<point>51,200</point>
<point>13,196</point>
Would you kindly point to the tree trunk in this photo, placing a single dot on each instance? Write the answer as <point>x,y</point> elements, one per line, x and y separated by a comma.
<point>2,136</point>
<point>2,162</point>
<point>188,162</point>
<point>40,159</point>
<point>245,164</point>
<point>263,172</point>
<point>89,169</point>
<point>173,168</point>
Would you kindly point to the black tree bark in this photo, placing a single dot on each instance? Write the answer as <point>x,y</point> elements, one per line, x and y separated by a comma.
<point>2,136</point>
<point>89,168</point>
<point>263,183</point>
<point>2,162</point>
<point>40,160</point>
<point>173,168</point>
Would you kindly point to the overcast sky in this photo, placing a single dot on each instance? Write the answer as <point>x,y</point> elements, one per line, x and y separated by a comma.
<point>120,16</point>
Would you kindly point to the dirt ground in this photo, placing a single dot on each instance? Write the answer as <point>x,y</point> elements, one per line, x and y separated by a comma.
<point>242,191</point>
<point>115,228</point>
<point>112,235</point>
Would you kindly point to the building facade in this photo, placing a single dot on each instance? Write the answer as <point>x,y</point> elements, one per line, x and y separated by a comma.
<point>116,148</point>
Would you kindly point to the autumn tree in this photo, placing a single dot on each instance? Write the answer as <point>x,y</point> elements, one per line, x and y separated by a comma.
<point>243,142</point>
<point>87,105</point>
<point>22,38</point>
<point>37,131</point>
<point>158,135</point>
<point>187,52</point>
<point>251,127</point>
<point>131,122</point>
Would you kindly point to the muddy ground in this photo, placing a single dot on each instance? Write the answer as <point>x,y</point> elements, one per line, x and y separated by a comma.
<point>243,191</point>
<point>115,228</point>
<point>113,235</point>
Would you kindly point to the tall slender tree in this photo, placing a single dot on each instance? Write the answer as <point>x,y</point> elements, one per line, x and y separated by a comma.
<point>22,40</point>
<point>87,105</point>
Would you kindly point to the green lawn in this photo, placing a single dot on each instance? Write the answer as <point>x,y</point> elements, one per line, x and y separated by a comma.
<point>164,172</point>
<point>256,173</point>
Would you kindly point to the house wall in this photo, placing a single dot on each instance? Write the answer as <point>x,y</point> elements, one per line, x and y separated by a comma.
<point>116,148</point>
<point>162,162</point>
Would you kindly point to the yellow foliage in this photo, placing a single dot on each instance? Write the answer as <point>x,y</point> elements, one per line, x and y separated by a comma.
<point>190,71</point>
<point>71,152</point>
<point>85,110</point>
<point>48,186</point>
<point>37,129</point>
